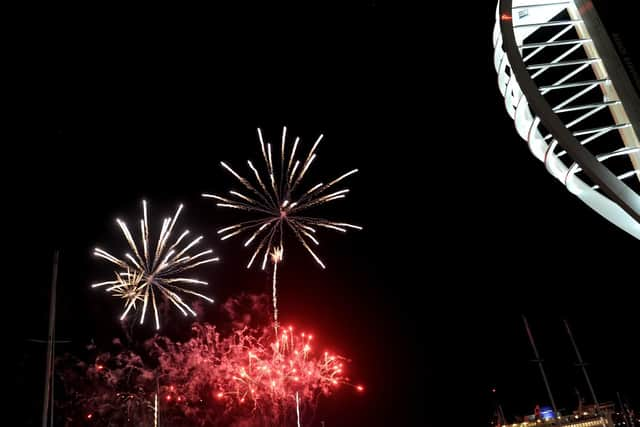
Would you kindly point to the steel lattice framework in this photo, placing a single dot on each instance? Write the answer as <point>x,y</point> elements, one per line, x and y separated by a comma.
<point>572,101</point>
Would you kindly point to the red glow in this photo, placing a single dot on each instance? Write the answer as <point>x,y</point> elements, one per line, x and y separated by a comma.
<point>249,369</point>
<point>586,7</point>
<point>506,17</point>
<point>242,371</point>
<point>359,388</point>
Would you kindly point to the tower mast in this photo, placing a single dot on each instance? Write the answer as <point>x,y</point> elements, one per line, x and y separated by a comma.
<point>583,366</point>
<point>48,381</point>
<point>539,361</point>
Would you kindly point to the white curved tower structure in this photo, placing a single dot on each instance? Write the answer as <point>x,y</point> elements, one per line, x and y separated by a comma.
<point>572,102</point>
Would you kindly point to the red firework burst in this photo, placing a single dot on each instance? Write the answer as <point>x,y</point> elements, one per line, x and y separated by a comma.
<point>252,370</point>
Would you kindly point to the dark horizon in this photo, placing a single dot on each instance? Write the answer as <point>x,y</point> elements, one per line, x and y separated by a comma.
<point>426,300</point>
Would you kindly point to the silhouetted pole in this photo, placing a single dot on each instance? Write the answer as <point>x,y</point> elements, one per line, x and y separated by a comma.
<point>48,382</point>
<point>626,413</point>
<point>539,361</point>
<point>502,417</point>
<point>583,366</point>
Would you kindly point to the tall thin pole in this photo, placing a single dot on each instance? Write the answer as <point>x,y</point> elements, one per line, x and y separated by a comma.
<point>539,361</point>
<point>50,344</point>
<point>53,383</point>
<point>626,413</point>
<point>579,400</point>
<point>582,365</point>
<point>502,417</point>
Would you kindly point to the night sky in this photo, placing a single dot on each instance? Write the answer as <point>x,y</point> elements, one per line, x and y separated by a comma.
<point>461,221</point>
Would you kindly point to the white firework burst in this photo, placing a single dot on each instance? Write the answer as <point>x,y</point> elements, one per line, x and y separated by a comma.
<point>154,273</point>
<point>274,198</point>
<point>128,288</point>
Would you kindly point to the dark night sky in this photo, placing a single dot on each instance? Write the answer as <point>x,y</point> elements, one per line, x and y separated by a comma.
<point>457,213</point>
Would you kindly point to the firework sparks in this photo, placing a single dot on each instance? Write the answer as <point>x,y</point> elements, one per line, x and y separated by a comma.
<point>279,204</point>
<point>151,274</point>
<point>276,373</point>
<point>252,371</point>
<point>128,288</point>
<point>213,378</point>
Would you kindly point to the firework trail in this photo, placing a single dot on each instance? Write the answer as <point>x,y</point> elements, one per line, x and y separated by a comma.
<point>155,410</point>
<point>298,408</point>
<point>152,273</point>
<point>276,257</point>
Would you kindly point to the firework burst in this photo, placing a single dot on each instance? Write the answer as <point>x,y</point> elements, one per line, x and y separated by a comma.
<point>250,370</point>
<point>274,197</point>
<point>274,374</point>
<point>151,273</point>
<point>128,288</point>
<point>243,376</point>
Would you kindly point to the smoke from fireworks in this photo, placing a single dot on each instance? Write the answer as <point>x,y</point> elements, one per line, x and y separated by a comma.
<point>211,379</point>
<point>151,273</point>
<point>275,199</point>
<point>249,372</point>
<point>111,390</point>
<point>251,368</point>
